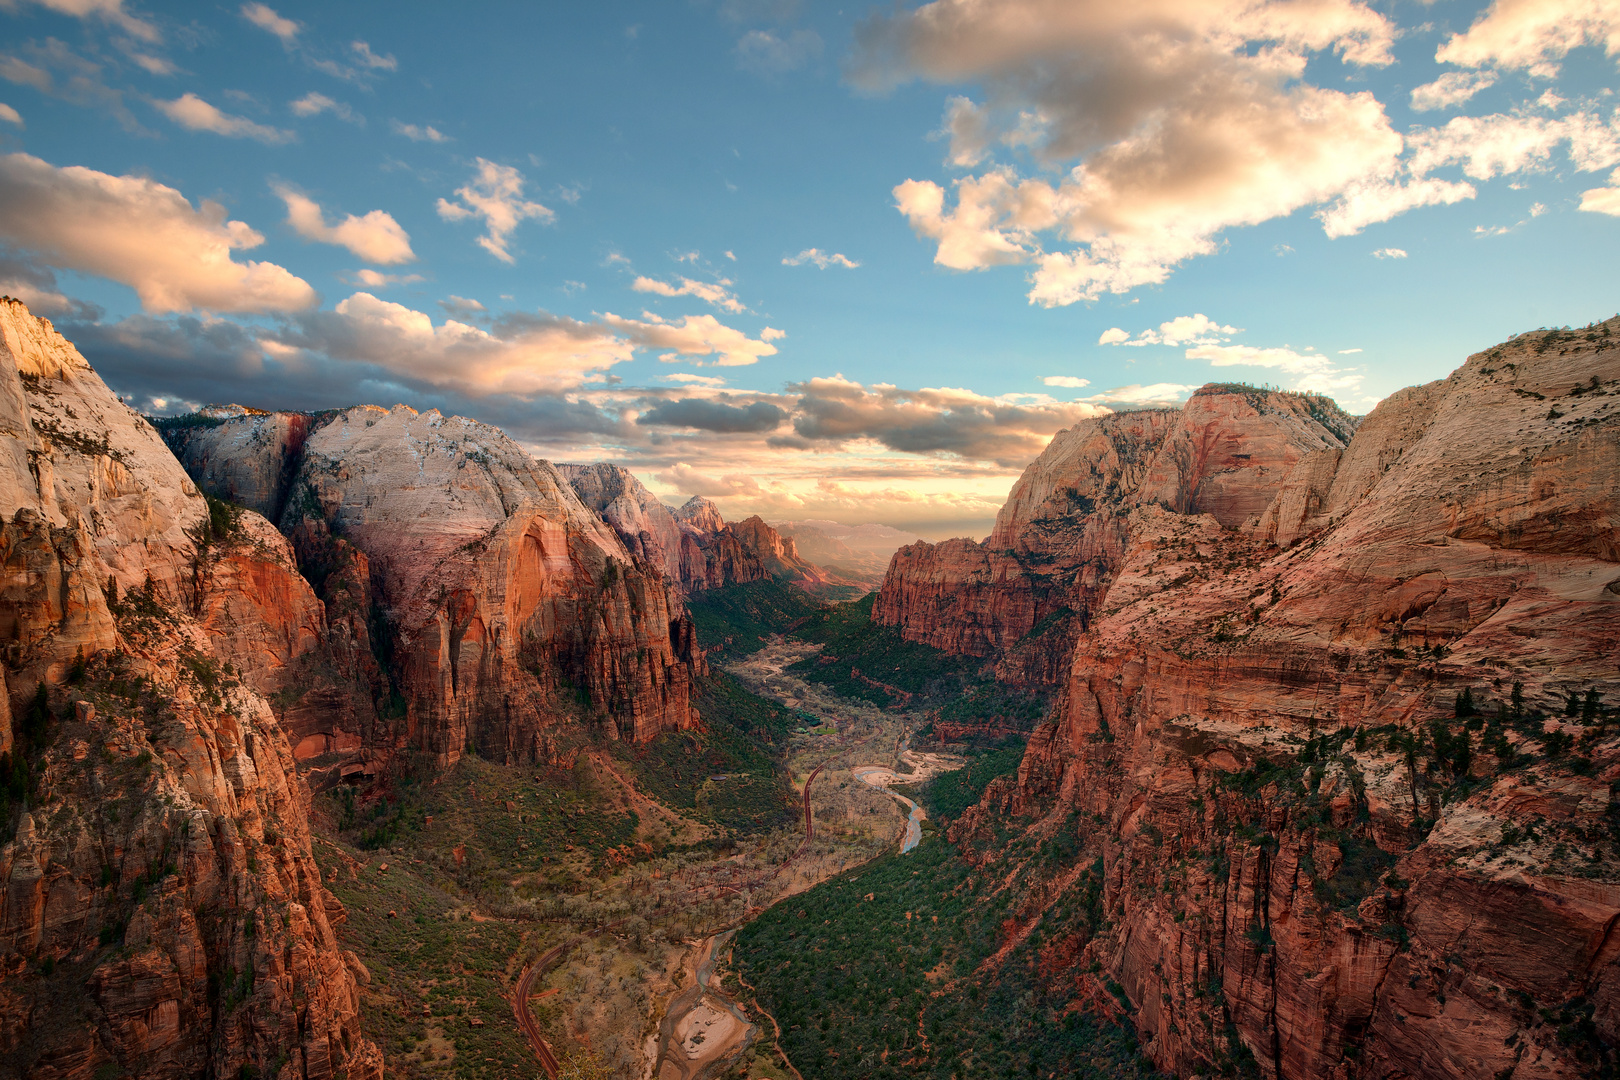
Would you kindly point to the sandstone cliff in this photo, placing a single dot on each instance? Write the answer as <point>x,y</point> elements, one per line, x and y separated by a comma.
<point>162,913</point>
<point>244,456</point>
<point>1024,594</point>
<point>1312,853</point>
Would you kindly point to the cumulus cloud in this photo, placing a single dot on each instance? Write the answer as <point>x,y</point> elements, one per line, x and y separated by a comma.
<point>1452,88</point>
<point>313,104</point>
<point>717,416</point>
<point>461,307</point>
<point>695,335</point>
<point>10,115</point>
<point>1175,121</point>
<point>820,259</point>
<point>1603,200</point>
<point>1313,372</point>
<point>1389,253</point>
<point>1182,330</point>
<point>144,234</point>
<point>1071,381</point>
<point>767,52</point>
<point>836,411</point>
<point>494,194</point>
<point>372,279</point>
<point>362,52</point>
<point>1534,35</point>
<point>714,292</point>
<point>691,379</point>
<point>265,18</point>
<point>376,237</point>
<point>1153,394</point>
<point>420,133</point>
<point>194,114</point>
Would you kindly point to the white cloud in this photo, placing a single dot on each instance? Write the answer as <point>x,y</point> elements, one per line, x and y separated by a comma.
<point>766,52</point>
<point>265,18</point>
<point>494,194</point>
<point>111,11</point>
<point>1389,253</point>
<point>1348,352</point>
<point>1534,34</point>
<point>714,293</point>
<point>141,233</point>
<point>1066,380</point>
<point>373,279</point>
<point>1369,202</point>
<point>420,133</point>
<point>687,378</point>
<point>1452,88</point>
<point>376,237</point>
<point>1182,330</point>
<point>1537,209</point>
<point>1174,121</point>
<point>820,259</point>
<point>1151,394</point>
<point>313,104</point>
<point>1313,372</point>
<point>369,59</point>
<point>770,333</point>
<point>194,114</point>
<point>695,335</point>
<point>10,115</point>
<point>1603,200</point>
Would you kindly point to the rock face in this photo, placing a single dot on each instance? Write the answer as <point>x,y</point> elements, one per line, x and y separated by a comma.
<point>162,914</point>
<point>1311,854</point>
<point>646,527</point>
<point>243,456</point>
<point>506,597</point>
<point>1024,594</point>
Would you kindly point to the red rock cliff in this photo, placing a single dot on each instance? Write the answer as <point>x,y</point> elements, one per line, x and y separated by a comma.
<point>1308,858</point>
<point>163,915</point>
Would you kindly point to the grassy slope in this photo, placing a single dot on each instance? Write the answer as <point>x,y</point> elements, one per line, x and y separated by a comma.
<point>875,974</point>
<point>948,794</point>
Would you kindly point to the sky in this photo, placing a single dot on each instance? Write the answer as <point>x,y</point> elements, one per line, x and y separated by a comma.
<point>810,261</point>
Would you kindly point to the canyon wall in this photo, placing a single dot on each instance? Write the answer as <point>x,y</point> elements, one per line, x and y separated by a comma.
<point>1025,594</point>
<point>1317,858</point>
<point>162,915</point>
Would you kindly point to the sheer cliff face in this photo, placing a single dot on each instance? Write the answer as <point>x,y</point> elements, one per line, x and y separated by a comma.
<point>163,913</point>
<point>1026,593</point>
<point>509,602</point>
<point>247,457</point>
<point>1253,733</point>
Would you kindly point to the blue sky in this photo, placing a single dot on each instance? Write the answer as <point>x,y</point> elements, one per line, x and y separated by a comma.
<point>810,261</point>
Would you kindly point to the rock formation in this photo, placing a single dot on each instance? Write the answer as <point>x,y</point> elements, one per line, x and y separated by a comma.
<point>1024,594</point>
<point>244,456</point>
<point>646,526</point>
<point>1316,851</point>
<point>162,915</point>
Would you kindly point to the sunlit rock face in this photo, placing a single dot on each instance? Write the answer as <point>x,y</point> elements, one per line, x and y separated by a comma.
<point>1025,593</point>
<point>1260,718</point>
<point>163,915</point>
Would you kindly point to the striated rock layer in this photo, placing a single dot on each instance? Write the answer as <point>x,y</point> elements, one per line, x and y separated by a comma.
<point>1311,854</point>
<point>1025,594</point>
<point>162,914</point>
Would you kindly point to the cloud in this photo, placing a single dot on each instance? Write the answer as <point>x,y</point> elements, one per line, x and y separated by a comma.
<point>1172,122</point>
<point>10,115</point>
<point>194,114</point>
<point>1313,372</point>
<point>713,292</point>
<point>695,335</point>
<point>1389,253</point>
<point>371,60</point>
<point>837,411</point>
<point>1182,330</point>
<point>461,307</point>
<point>144,234</point>
<point>423,133</point>
<point>57,71</point>
<point>1348,352</point>
<point>313,104</point>
<point>766,52</point>
<point>265,18</point>
<point>819,259</point>
<point>1066,380</point>
<point>376,238</point>
<point>372,279</point>
<point>1452,88</point>
<point>706,415</point>
<point>36,286</point>
<point>1603,200</point>
<point>690,379</point>
<point>1534,34</point>
<point>495,194</point>
<point>1162,394</point>
<point>109,11</point>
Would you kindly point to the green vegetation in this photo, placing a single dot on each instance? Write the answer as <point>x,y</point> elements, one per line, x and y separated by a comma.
<point>996,703</point>
<point>857,653</point>
<point>739,739</point>
<point>948,794</point>
<point>166,424</point>
<point>737,618</point>
<point>876,973</point>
